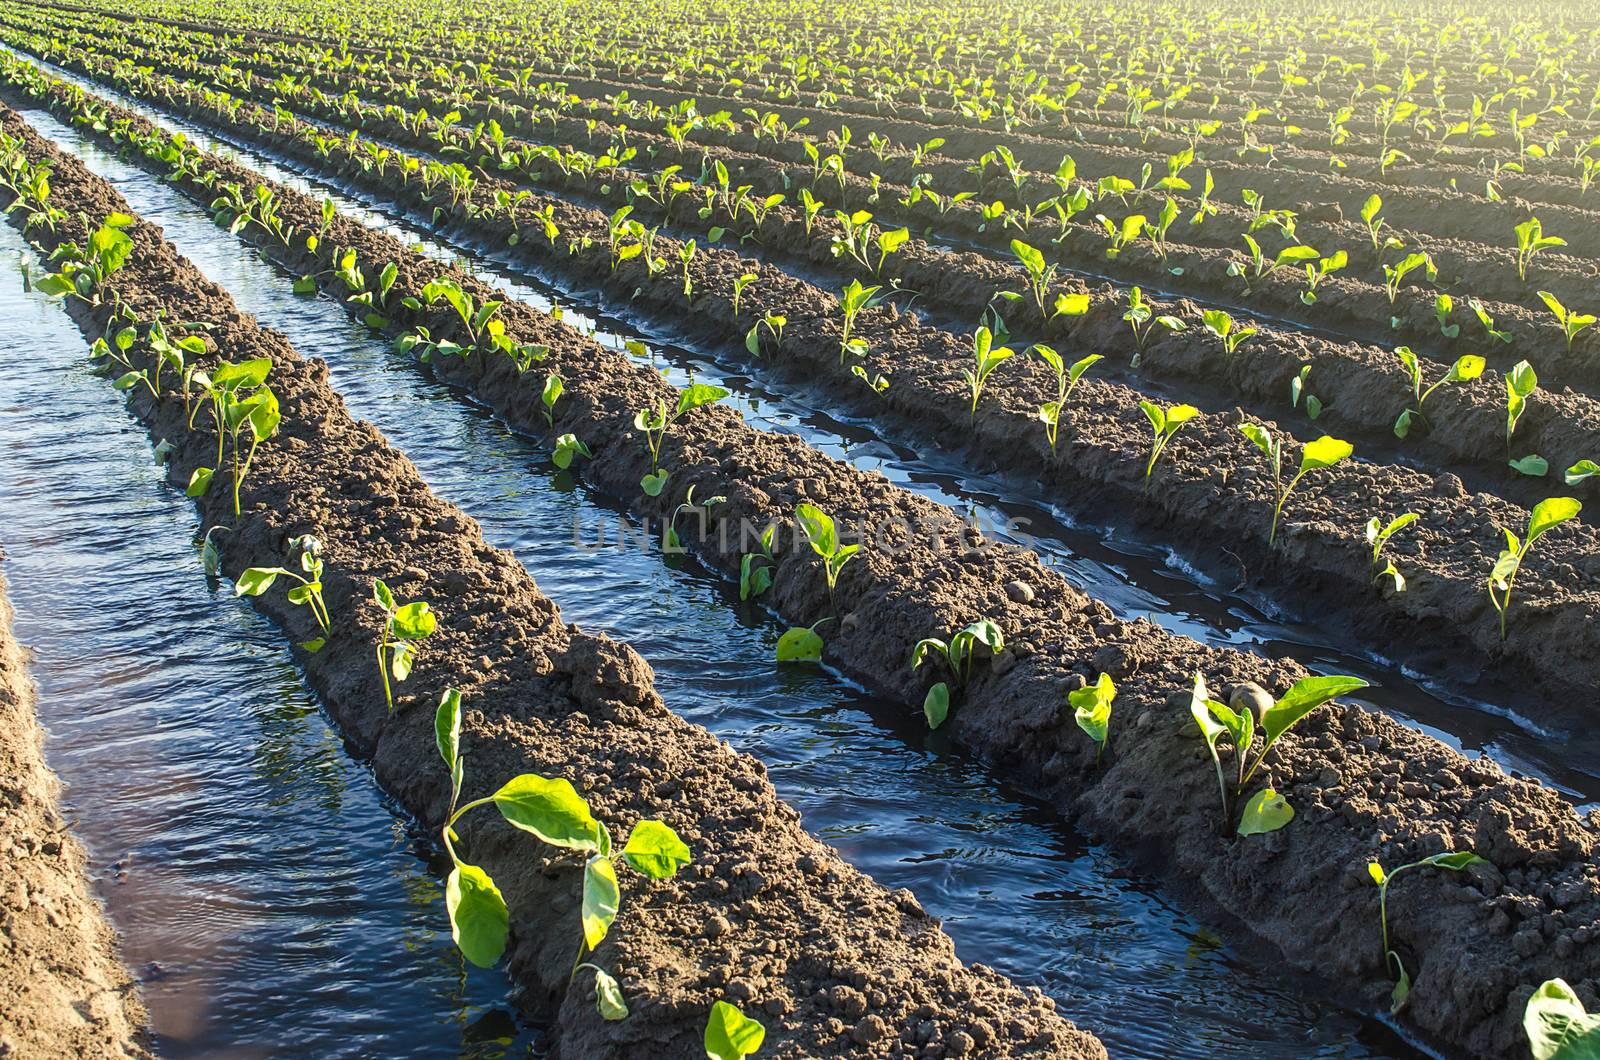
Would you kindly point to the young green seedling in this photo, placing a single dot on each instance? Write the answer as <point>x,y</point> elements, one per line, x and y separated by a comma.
<point>1455,862</point>
<point>1572,323</point>
<point>1521,382</point>
<point>1165,423</point>
<point>674,543</point>
<point>1091,709</point>
<point>1547,514</point>
<point>552,810</point>
<point>1532,241</point>
<point>1378,535</point>
<point>1314,456</point>
<point>1141,318</point>
<point>254,581</point>
<point>773,324</point>
<point>1320,270</point>
<point>1066,381</point>
<point>404,626</point>
<point>654,425</point>
<point>1394,275</point>
<point>1040,276</point>
<point>823,536</point>
<point>987,357</point>
<point>756,568</point>
<point>1220,324</point>
<point>84,273</point>
<point>1465,369</point>
<point>852,301</point>
<point>958,655</point>
<point>567,448</point>
<point>549,396</point>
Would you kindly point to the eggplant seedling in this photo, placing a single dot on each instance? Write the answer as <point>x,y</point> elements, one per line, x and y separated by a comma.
<point>773,323</point>
<point>673,542</point>
<point>552,810</point>
<point>756,568</point>
<point>404,625</point>
<point>958,655</point>
<point>1165,423</point>
<point>474,317</point>
<point>1547,514</point>
<point>852,301</point>
<point>254,581</point>
<point>1572,323</point>
<point>1215,718</point>
<point>1531,241</point>
<point>1465,369</point>
<point>568,447</point>
<point>1223,326</point>
<point>1141,317</point>
<point>1066,381</point>
<point>1521,382</point>
<point>1378,535</point>
<point>1040,276</point>
<point>1314,456</point>
<point>549,396</point>
<point>987,357</point>
<point>1091,709</point>
<point>1455,862</point>
<point>655,423</point>
<point>1394,275</point>
<point>84,272</point>
<point>823,537</point>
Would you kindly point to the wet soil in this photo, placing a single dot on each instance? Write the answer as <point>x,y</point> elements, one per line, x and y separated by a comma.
<point>1366,786</point>
<point>767,916</point>
<point>63,991</point>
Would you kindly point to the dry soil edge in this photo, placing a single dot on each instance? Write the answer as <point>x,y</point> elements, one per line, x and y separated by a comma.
<point>767,916</point>
<point>63,992</point>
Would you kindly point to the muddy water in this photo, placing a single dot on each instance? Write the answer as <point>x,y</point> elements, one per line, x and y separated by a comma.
<point>1017,890</point>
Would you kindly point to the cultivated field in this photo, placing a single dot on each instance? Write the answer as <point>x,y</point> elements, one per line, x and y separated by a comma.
<point>1173,427</point>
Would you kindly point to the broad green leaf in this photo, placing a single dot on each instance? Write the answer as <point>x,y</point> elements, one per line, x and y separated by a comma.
<point>819,529</point>
<point>655,850</point>
<point>415,620</point>
<point>1533,465</point>
<point>447,727</point>
<point>1071,305</point>
<point>730,1034</point>
<point>1549,513</point>
<point>1557,1025</point>
<point>697,395</point>
<point>601,899</point>
<point>199,482</point>
<point>936,705</point>
<point>799,644</point>
<point>479,920</point>
<point>1324,452</point>
<point>653,484</point>
<point>1091,707</point>
<point>1308,694</point>
<point>381,593</point>
<point>256,580</point>
<point>551,809</point>
<point>1580,471</point>
<point>1266,811</point>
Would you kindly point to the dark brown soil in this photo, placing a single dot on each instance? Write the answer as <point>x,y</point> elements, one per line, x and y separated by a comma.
<point>1213,483</point>
<point>63,992</point>
<point>767,916</point>
<point>1365,786</point>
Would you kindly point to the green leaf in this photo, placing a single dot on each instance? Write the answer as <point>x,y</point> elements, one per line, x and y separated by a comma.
<point>199,482</point>
<point>653,484</point>
<point>1308,694</point>
<point>1402,984</point>
<point>551,809</point>
<point>601,899</point>
<point>479,921</point>
<point>730,1034</point>
<point>1091,706</point>
<point>381,593</point>
<point>655,850</point>
<point>1456,860</point>
<point>447,727</point>
<point>799,644</point>
<point>936,705</point>
<point>1580,471</point>
<point>1266,811</point>
<point>1551,512</point>
<point>608,997</point>
<point>415,621</point>
<point>1557,1026</point>
<point>1324,452</point>
<point>819,529</point>
<point>256,580</point>
<point>696,395</point>
<point>1533,465</point>
<point>314,645</point>
<point>1071,305</point>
